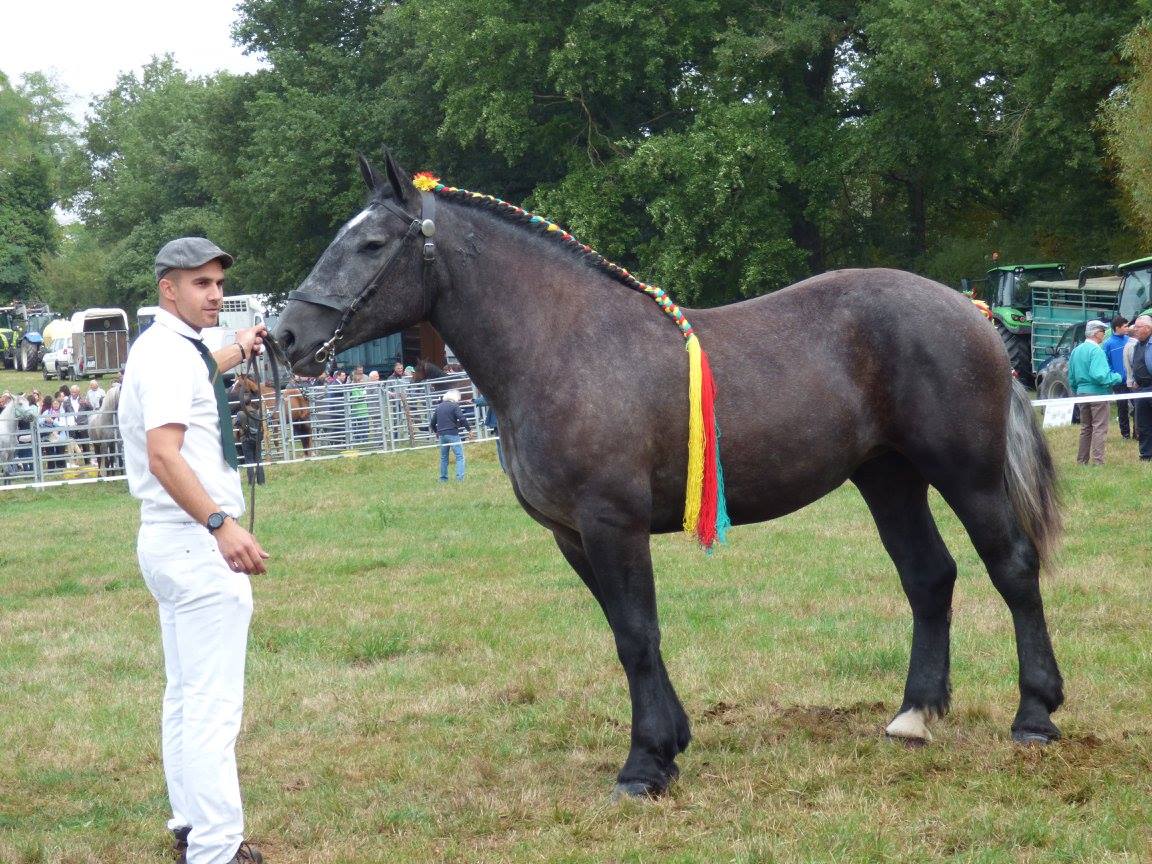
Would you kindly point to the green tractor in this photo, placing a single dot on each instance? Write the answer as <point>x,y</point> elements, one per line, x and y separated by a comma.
<point>1005,290</point>
<point>1135,296</point>
<point>21,339</point>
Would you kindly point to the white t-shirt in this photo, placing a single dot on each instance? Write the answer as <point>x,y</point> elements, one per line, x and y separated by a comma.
<point>166,381</point>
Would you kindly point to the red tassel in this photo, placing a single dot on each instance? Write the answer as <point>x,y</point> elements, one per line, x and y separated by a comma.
<point>709,495</point>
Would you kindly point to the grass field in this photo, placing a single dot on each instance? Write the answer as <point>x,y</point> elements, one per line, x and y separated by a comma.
<point>22,382</point>
<point>429,683</point>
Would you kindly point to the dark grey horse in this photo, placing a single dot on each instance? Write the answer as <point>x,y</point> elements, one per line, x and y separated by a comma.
<point>900,386</point>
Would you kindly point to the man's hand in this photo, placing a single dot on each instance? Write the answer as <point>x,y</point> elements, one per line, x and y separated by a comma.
<point>242,552</point>
<point>251,339</point>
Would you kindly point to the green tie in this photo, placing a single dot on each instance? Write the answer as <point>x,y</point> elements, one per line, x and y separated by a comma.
<point>227,439</point>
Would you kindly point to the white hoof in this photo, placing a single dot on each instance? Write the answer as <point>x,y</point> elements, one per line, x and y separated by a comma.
<point>913,724</point>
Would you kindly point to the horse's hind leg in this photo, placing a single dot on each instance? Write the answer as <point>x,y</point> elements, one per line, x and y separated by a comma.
<point>897,495</point>
<point>1014,566</point>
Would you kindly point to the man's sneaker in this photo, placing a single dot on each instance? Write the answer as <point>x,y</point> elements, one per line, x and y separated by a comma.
<point>247,854</point>
<point>180,844</point>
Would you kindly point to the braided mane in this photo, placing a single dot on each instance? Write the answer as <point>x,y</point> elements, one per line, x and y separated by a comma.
<point>426,182</point>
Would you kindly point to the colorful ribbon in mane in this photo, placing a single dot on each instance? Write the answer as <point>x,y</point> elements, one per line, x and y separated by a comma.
<point>705,509</point>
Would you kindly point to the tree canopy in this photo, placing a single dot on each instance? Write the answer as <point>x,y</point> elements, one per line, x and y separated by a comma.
<point>721,149</point>
<point>34,141</point>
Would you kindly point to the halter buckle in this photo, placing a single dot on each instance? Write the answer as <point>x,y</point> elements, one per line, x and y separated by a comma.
<point>327,350</point>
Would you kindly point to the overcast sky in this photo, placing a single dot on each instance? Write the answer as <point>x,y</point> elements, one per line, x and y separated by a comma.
<point>85,44</point>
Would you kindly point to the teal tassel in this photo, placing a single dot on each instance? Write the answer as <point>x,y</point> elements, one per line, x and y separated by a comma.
<point>723,522</point>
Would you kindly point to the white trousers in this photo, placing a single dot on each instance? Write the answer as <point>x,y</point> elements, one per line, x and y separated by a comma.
<point>204,613</point>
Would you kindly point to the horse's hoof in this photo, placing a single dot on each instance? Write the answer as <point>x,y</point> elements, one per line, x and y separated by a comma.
<point>907,743</point>
<point>910,728</point>
<point>1029,739</point>
<point>634,790</point>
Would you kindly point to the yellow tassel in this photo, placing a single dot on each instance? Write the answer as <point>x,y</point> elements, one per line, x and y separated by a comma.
<point>695,437</point>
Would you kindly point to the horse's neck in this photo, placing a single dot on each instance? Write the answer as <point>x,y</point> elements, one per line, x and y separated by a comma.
<point>514,302</point>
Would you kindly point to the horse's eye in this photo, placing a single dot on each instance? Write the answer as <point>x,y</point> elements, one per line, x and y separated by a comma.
<point>371,245</point>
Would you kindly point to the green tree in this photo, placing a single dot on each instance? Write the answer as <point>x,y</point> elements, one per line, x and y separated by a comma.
<point>76,276</point>
<point>1127,119</point>
<point>154,162</point>
<point>34,139</point>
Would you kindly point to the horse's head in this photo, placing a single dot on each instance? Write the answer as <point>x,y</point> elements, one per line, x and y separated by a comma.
<point>372,279</point>
<point>425,371</point>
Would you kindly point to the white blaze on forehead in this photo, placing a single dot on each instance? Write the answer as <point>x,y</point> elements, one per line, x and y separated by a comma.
<point>354,221</point>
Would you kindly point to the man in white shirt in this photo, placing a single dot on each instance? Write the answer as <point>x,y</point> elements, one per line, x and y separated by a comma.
<point>194,555</point>
<point>96,394</point>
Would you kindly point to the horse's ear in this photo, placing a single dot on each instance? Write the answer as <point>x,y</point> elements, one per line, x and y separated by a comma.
<point>368,172</point>
<point>398,179</point>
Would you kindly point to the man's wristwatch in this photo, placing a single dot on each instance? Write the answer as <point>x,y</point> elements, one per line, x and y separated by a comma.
<point>216,520</point>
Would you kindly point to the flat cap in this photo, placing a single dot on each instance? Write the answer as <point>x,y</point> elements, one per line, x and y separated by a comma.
<point>188,253</point>
<point>1094,326</point>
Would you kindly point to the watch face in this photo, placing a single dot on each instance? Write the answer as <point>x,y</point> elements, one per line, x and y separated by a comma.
<point>215,521</point>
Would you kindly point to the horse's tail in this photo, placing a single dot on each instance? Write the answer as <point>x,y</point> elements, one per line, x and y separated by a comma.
<point>1030,477</point>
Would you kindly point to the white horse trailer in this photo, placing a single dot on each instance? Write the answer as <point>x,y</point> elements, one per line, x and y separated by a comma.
<point>99,343</point>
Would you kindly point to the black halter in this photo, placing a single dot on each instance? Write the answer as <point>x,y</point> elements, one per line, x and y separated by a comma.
<point>417,226</point>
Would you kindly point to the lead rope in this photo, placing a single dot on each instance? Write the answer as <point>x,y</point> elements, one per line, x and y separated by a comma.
<point>253,372</point>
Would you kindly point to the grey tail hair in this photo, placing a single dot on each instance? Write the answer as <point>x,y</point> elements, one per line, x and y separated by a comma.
<point>1030,478</point>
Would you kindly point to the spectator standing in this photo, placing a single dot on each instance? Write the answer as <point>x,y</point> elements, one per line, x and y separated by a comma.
<point>52,433</point>
<point>1114,350</point>
<point>95,394</point>
<point>195,557</point>
<point>491,424</point>
<point>1089,375</point>
<point>396,396</point>
<point>1138,368</point>
<point>358,405</point>
<point>449,424</point>
<point>74,413</point>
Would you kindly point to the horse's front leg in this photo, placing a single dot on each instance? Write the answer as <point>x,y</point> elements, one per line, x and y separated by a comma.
<point>618,569</point>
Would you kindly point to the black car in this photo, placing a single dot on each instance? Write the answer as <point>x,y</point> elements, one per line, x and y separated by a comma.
<point>1052,376</point>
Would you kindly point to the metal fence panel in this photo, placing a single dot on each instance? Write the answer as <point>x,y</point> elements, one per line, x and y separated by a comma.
<point>327,420</point>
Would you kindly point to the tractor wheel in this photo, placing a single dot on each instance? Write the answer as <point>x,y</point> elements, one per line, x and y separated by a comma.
<point>1055,387</point>
<point>1019,348</point>
<point>27,355</point>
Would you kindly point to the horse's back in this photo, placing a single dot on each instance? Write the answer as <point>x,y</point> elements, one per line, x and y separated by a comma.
<point>822,376</point>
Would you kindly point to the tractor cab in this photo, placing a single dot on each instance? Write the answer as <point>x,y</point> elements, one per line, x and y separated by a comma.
<point>1135,296</point>
<point>1009,285</point>
<point>9,319</point>
<point>1006,289</point>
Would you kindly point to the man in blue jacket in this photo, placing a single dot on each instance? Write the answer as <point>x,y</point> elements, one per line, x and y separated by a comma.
<point>448,424</point>
<point>1089,375</point>
<point>1114,350</point>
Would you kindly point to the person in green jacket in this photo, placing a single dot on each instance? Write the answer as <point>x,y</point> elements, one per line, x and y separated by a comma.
<point>1090,375</point>
<point>358,399</point>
